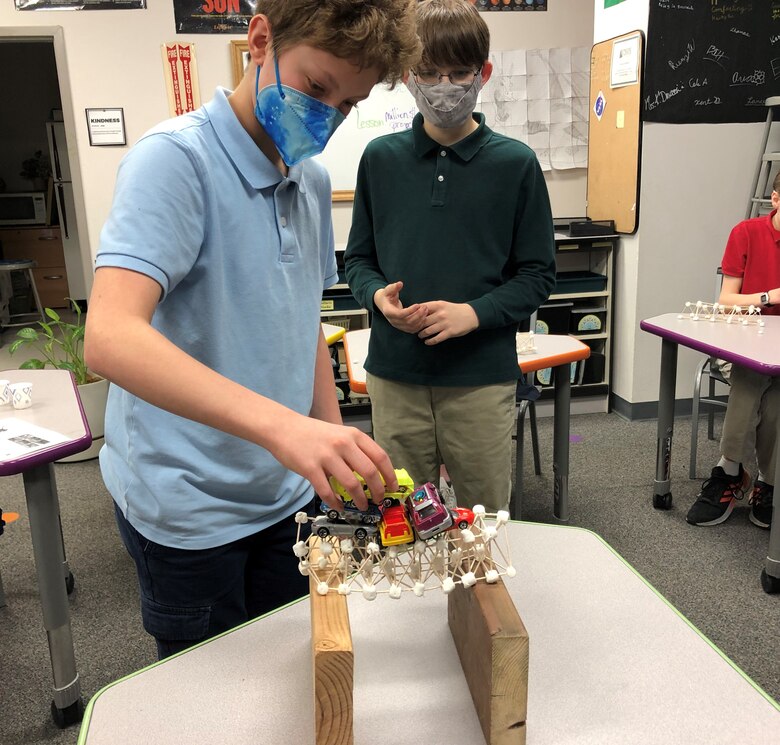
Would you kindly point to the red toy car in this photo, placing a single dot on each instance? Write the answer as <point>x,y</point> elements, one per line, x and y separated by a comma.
<point>428,514</point>
<point>462,517</point>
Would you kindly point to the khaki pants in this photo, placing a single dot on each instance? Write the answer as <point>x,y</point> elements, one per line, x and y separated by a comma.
<point>751,418</point>
<point>469,429</point>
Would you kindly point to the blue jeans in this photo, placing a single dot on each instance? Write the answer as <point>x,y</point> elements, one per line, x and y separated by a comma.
<point>188,596</point>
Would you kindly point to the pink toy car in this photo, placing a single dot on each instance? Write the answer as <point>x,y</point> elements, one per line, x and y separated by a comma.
<point>427,513</point>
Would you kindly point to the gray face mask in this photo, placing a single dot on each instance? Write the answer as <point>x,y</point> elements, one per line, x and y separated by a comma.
<point>445,105</point>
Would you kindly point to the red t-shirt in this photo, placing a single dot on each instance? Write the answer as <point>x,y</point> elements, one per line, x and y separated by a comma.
<point>753,253</point>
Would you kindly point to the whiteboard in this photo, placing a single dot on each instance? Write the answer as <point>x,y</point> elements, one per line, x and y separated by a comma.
<point>383,112</point>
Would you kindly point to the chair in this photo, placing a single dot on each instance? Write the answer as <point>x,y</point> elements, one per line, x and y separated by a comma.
<point>710,367</point>
<point>526,396</point>
<point>25,266</point>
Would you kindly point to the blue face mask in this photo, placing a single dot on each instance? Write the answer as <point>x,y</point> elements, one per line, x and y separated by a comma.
<point>299,125</point>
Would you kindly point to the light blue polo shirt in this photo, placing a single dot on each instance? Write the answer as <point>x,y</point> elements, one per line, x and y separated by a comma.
<point>242,255</point>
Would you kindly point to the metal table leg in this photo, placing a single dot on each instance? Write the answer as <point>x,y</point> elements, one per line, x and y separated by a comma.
<point>770,575</point>
<point>662,494</point>
<point>43,507</point>
<point>561,442</point>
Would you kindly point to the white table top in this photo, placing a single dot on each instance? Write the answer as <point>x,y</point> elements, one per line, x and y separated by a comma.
<point>56,406</point>
<point>733,342</point>
<point>551,350</point>
<point>610,663</point>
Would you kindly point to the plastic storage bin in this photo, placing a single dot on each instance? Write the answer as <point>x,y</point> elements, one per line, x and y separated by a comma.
<point>580,281</point>
<point>593,372</point>
<point>588,321</point>
<point>553,318</point>
<point>544,376</point>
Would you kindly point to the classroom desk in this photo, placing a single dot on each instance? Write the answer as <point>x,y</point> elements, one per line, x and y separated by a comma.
<point>56,406</point>
<point>733,342</point>
<point>611,663</point>
<point>558,352</point>
<point>332,332</point>
<point>553,351</point>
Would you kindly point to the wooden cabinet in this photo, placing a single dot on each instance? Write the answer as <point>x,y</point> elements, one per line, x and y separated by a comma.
<point>44,246</point>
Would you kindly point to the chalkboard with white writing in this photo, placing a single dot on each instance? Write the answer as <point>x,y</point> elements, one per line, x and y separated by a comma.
<point>711,60</point>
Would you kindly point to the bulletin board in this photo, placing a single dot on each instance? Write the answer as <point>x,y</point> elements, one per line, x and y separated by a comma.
<point>385,111</point>
<point>614,131</point>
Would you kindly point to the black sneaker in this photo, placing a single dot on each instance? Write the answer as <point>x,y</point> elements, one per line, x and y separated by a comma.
<point>717,496</point>
<point>760,502</point>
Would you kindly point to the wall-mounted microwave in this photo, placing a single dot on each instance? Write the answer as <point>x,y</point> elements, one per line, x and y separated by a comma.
<point>23,208</point>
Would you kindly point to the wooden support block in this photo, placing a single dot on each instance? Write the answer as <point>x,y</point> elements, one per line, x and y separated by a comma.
<point>492,644</point>
<point>333,665</point>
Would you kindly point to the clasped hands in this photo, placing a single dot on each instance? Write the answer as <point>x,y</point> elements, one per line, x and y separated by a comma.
<point>434,321</point>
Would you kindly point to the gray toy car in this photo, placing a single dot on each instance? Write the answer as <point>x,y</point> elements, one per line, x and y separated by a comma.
<point>324,527</point>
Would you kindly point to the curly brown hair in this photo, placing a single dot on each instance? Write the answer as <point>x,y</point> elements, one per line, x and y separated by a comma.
<point>373,33</point>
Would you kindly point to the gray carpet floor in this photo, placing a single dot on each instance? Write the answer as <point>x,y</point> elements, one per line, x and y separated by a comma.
<point>710,574</point>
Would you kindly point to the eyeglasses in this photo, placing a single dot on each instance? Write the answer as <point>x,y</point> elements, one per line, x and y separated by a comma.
<point>456,77</point>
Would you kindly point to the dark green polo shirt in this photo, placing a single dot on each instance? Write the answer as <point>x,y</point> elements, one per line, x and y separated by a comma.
<point>469,222</point>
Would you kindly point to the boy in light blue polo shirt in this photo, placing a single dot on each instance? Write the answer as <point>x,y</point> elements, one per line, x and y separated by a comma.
<point>222,418</point>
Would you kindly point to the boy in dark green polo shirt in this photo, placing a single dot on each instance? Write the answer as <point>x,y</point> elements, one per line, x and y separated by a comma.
<point>451,247</point>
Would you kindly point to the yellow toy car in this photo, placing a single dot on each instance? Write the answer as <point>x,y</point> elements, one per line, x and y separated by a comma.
<point>405,487</point>
<point>395,528</point>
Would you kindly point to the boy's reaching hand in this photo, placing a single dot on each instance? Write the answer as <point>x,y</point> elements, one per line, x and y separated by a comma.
<point>388,300</point>
<point>317,450</point>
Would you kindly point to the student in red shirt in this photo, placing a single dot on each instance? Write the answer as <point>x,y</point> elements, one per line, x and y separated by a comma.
<point>751,276</point>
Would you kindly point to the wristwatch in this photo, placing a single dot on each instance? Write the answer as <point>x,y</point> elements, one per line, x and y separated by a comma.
<point>765,300</point>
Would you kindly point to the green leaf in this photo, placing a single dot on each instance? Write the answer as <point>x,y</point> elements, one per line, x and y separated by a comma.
<point>52,314</point>
<point>32,364</point>
<point>27,334</point>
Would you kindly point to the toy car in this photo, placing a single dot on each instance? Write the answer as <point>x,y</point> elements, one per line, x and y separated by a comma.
<point>462,517</point>
<point>428,515</point>
<point>395,528</point>
<point>324,527</point>
<point>405,485</point>
<point>350,513</point>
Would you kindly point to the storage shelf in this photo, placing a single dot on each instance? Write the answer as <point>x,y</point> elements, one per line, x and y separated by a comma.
<point>577,246</point>
<point>330,313</point>
<point>576,295</point>
<point>588,256</point>
<point>588,337</point>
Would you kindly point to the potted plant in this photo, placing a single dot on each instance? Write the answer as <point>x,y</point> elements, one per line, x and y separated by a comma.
<point>36,169</point>
<point>61,345</point>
